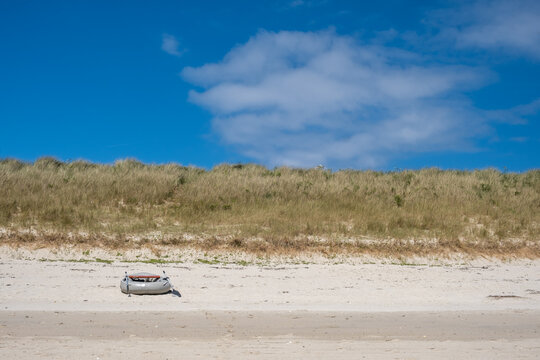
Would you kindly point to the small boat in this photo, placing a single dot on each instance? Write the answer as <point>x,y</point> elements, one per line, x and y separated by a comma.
<point>145,283</point>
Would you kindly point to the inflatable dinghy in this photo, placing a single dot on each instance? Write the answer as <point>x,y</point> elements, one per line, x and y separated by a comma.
<point>145,283</point>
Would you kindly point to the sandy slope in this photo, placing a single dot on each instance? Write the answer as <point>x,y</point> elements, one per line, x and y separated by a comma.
<point>483,310</point>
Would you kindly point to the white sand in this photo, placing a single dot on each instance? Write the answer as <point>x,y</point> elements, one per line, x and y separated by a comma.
<point>486,309</point>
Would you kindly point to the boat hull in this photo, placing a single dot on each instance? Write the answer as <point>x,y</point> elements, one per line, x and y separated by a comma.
<point>160,286</point>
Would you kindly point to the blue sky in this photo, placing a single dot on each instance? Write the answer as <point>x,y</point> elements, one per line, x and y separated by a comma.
<point>346,84</point>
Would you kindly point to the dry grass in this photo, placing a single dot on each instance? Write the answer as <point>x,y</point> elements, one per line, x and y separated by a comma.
<point>284,210</point>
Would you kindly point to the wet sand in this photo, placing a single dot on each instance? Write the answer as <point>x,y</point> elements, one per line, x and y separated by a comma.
<point>244,334</point>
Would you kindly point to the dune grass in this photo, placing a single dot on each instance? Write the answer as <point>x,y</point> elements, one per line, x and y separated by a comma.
<point>252,208</point>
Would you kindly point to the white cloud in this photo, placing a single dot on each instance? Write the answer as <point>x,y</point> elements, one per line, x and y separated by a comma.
<point>512,26</point>
<point>515,115</point>
<point>296,3</point>
<point>170,45</point>
<point>306,3</point>
<point>302,99</point>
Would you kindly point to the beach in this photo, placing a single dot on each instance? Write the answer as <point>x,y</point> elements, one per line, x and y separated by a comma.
<point>52,308</point>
